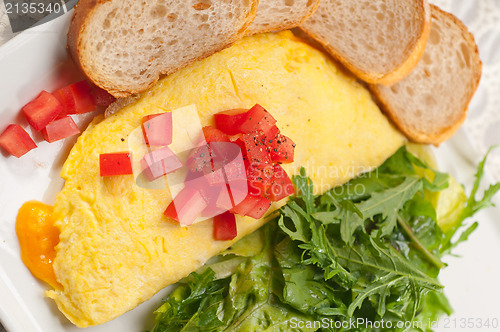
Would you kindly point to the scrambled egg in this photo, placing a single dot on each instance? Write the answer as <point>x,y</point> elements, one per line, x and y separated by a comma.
<point>116,247</point>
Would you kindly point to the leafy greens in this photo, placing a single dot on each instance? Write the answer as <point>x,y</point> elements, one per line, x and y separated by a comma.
<point>348,255</point>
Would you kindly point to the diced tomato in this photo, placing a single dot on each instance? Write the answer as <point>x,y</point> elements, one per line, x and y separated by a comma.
<point>200,160</point>
<point>84,102</point>
<point>255,148</point>
<point>213,134</point>
<point>257,119</point>
<point>230,121</point>
<point>260,178</point>
<point>102,97</point>
<point>282,185</point>
<point>65,97</point>
<point>16,141</point>
<point>42,110</point>
<point>218,201</point>
<point>259,209</point>
<point>188,205</point>
<point>157,129</point>
<point>119,163</point>
<point>60,129</point>
<point>225,227</point>
<point>282,149</point>
<point>244,207</point>
<point>160,162</point>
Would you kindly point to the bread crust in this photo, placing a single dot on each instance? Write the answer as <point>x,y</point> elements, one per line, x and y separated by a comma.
<point>83,13</point>
<point>444,133</point>
<point>289,25</point>
<point>398,73</point>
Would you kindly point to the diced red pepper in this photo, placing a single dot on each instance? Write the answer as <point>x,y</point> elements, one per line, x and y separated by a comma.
<point>16,141</point>
<point>259,209</point>
<point>42,110</point>
<point>160,162</point>
<point>257,119</point>
<point>102,97</point>
<point>188,205</point>
<point>282,185</point>
<point>67,100</point>
<point>282,149</point>
<point>230,121</point>
<point>60,129</point>
<point>225,227</point>
<point>119,163</point>
<point>84,102</point>
<point>157,129</point>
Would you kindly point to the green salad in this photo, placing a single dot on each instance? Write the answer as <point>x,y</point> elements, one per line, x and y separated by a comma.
<point>364,256</point>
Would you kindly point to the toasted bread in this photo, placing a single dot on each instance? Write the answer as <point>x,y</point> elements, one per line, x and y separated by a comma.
<point>379,41</point>
<point>124,46</point>
<point>274,15</point>
<point>430,104</point>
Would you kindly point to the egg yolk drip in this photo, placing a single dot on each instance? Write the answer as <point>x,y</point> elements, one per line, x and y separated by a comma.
<point>38,237</point>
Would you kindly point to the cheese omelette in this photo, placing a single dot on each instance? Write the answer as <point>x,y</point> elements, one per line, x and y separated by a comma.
<point>116,247</point>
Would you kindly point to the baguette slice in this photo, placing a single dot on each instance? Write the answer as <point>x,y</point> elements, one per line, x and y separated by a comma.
<point>380,41</point>
<point>430,104</point>
<point>123,46</point>
<point>274,15</point>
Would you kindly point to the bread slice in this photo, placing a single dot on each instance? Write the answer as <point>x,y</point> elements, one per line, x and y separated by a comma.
<point>274,15</point>
<point>380,41</point>
<point>123,46</point>
<point>430,104</point>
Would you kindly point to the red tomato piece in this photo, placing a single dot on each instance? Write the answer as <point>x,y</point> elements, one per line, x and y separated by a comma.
<point>244,207</point>
<point>200,160</point>
<point>60,129</point>
<point>42,110</point>
<point>255,148</point>
<point>225,227</point>
<point>259,209</point>
<point>160,162</point>
<point>282,149</point>
<point>282,185</point>
<point>84,103</point>
<point>119,163</point>
<point>218,201</point>
<point>157,129</point>
<point>260,178</point>
<point>188,205</point>
<point>102,97</point>
<point>229,121</point>
<point>65,97</point>
<point>213,134</point>
<point>257,119</point>
<point>16,141</point>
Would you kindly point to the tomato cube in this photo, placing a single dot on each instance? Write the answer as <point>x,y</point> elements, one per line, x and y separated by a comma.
<point>200,160</point>
<point>188,205</point>
<point>157,129</point>
<point>260,208</point>
<point>65,97</point>
<point>213,134</point>
<point>160,162</point>
<point>16,141</point>
<point>42,110</point>
<point>218,201</point>
<point>84,103</point>
<point>255,148</point>
<point>60,129</point>
<point>119,163</point>
<point>282,149</point>
<point>102,97</point>
<point>282,185</point>
<point>229,121</point>
<point>257,119</point>
<point>260,178</point>
<point>244,207</point>
<point>225,227</point>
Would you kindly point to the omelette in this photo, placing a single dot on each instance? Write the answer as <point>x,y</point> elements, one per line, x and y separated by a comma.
<point>117,249</point>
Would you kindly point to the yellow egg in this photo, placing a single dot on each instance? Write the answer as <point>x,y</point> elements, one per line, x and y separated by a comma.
<point>116,247</point>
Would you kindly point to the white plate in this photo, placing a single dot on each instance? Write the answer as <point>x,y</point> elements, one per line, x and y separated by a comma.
<point>36,60</point>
